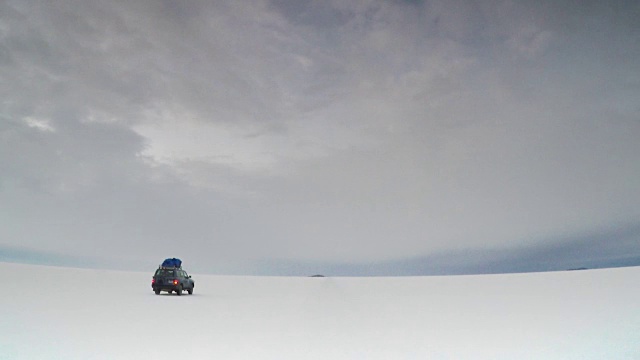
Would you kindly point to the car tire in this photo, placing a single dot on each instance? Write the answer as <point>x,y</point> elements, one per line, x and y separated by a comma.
<point>190,291</point>
<point>157,291</point>
<point>179,290</point>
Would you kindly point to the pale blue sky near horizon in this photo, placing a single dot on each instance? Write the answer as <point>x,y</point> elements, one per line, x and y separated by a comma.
<point>351,138</point>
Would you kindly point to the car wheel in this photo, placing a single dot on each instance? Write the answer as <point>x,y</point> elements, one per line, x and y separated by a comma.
<point>190,291</point>
<point>157,291</point>
<point>179,290</point>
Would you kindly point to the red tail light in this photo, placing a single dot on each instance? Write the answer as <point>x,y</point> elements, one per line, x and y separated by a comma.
<point>175,282</point>
<point>153,281</point>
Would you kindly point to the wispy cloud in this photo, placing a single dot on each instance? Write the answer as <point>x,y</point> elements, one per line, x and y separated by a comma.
<point>39,124</point>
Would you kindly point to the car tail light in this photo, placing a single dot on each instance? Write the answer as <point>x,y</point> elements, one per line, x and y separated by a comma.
<point>153,281</point>
<point>175,282</point>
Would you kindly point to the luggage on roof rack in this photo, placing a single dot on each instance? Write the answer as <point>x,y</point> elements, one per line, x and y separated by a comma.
<point>172,262</point>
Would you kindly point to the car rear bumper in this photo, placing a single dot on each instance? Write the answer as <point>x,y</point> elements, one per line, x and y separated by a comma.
<point>165,287</point>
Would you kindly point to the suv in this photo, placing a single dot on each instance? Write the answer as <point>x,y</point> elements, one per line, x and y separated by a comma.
<point>172,279</point>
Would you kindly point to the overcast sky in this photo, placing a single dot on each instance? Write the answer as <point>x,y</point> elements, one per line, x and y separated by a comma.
<point>348,137</point>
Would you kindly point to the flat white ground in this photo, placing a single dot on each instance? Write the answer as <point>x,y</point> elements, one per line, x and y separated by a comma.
<point>63,313</point>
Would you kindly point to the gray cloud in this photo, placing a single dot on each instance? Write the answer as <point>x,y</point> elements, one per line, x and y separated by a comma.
<point>367,132</point>
<point>609,248</point>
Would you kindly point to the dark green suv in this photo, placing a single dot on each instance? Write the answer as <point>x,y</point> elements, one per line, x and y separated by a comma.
<point>172,279</point>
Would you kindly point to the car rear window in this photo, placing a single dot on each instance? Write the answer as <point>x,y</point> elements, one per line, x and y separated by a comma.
<point>165,272</point>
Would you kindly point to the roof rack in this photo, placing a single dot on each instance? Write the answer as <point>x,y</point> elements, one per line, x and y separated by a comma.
<point>169,267</point>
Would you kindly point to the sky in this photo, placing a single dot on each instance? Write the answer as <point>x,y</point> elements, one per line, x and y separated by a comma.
<point>348,138</point>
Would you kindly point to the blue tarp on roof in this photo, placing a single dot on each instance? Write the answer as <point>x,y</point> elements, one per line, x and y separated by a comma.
<point>172,262</point>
